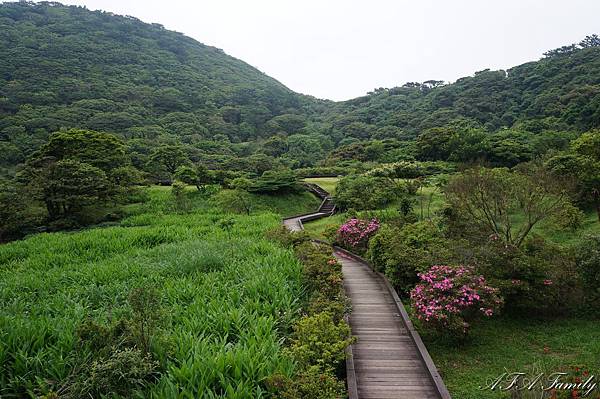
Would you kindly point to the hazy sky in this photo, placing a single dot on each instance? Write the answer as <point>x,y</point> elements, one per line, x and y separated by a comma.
<point>340,49</point>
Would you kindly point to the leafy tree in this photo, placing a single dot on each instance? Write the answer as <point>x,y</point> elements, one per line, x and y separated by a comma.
<point>15,214</point>
<point>101,150</point>
<point>197,176</point>
<point>168,158</point>
<point>236,201</point>
<point>435,144</point>
<point>67,186</point>
<point>582,163</point>
<point>364,192</point>
<point>494,199</point>
<point>275,146</point>
<point>275,181</point>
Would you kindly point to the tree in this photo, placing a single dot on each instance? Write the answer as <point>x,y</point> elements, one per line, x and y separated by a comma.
<point>275,181</point>
<point>496,199</point>
<point>582,163</point>
<point>77,169</point>
<point>590,41</point>
<point>197,176</point>
<point>67,186</point>
<point>101,150</point>
<point>168,158</point>
<point>364,192</point>
<point>14,215</point>
<point>435,144</point>
<point>236,201</point>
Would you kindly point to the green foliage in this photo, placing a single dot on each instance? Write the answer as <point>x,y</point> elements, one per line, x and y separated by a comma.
<point>229,301</point>
<point>319,341</point>
<point>275,181</point>
<point>309,384</point>
<point>582,164</point>
<point>491,198</point>
<point>235,201</point>
<point>361,192</point>
<point>16,213</point>
<point>145,304</point>
<point>588,265</point>
<point>124,372</point>
<point>401,253</point>
<point>67,186</point>
<point>181,202</point>
<point>168,158</point>
<point>286,237</point>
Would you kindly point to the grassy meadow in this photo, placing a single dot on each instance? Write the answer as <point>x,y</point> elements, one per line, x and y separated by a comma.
<point>227,298</point>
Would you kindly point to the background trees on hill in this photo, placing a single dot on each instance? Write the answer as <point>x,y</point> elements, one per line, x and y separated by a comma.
<point>582,163</point>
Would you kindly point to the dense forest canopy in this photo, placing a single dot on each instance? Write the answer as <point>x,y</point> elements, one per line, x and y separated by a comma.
<point>65,67</point>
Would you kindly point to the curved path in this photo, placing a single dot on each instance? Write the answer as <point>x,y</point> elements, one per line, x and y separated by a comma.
<point>389,359</point>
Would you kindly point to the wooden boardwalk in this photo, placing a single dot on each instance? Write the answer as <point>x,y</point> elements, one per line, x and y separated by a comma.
<point>388,359</point>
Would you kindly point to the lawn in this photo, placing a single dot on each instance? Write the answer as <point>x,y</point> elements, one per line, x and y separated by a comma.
<point>503,344</point>
<point>227,299</point>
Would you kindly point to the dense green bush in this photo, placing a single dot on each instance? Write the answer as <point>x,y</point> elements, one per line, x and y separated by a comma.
<point>309,384</point>
<point>319,341</point>
<point>275,181</point>
<point>287,238</point>
<point>541,276</point>
<point>401,253</point>
<point>588,266</point>
<point>122,373</point>
<point>361,192</point>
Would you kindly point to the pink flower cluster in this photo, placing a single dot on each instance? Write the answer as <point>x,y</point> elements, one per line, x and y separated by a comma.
<point>355,233</point>
<point>448,297</point>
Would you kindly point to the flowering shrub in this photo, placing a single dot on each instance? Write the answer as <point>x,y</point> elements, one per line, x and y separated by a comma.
<point>355,233</point>
<point>448,298</point>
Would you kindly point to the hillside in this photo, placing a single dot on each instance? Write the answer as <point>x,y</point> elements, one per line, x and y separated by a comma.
<point>66,66</point>
<point>69,67</point>
<point>560,91</point>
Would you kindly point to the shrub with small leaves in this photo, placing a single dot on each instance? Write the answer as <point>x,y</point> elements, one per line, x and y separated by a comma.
<point>286,237</point>
<point>125,371</point>
<point>319,341</point>
<point>309,384</point>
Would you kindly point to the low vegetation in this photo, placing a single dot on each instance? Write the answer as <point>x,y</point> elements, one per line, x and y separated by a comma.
<point>166,303</point>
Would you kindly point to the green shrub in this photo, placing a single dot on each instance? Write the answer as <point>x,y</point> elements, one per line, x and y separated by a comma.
<point>287,238</point>
<point>540,276</point>
<point>360,192</point>
<point>337,306</point>
<point>321,272</point>
<point>588,266</point>
<point>319,341</point>
<point>147,314</point>
<point>309,384</point>
<point>122,373</point>
<point>401,253</point>
<point>275,181</point>
<point>181,202</point>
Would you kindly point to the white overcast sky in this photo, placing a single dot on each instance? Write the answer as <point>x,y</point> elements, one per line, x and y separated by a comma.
<point>340,49</point>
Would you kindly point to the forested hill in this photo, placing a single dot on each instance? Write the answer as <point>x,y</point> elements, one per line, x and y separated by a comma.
<point>66,66</point>
<point>559,92</point>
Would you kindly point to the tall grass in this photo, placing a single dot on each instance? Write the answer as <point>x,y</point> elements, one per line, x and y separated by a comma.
<point>230,299</point>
